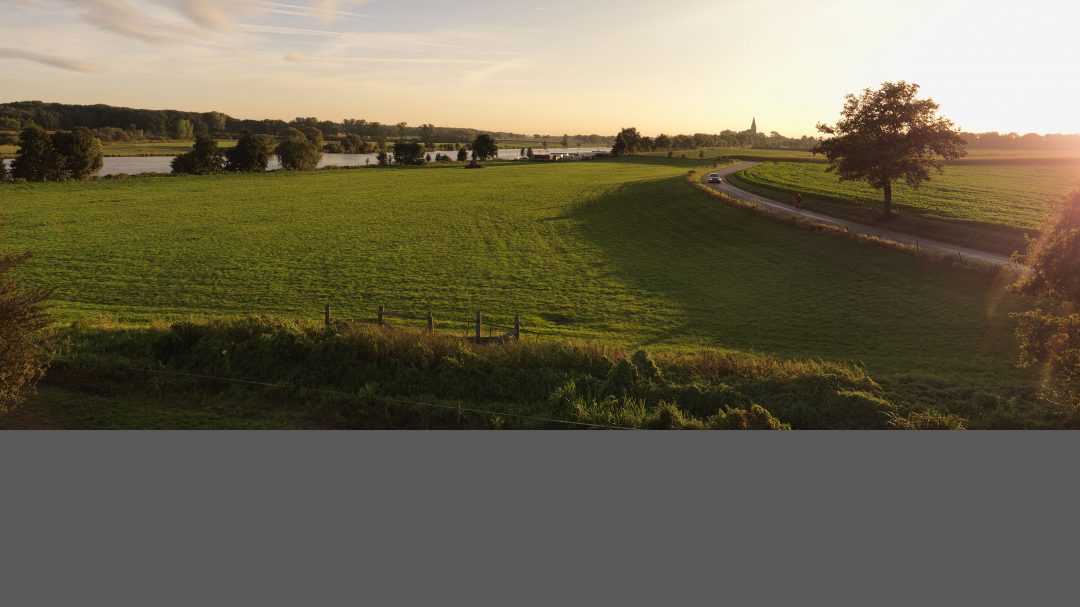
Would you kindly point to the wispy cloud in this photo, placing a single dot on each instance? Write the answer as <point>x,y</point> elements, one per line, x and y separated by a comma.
<point>296,57</point>
<point>207,13</point>
<point>286,31</point>
<point>324,12</point>
<point>489,72</point>
<point>119,17</point>
<point>64,63</point>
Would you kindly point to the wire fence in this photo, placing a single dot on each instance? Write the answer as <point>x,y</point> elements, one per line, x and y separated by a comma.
<point>474,328</point>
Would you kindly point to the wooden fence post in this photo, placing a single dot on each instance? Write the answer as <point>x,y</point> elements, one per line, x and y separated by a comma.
<point>479,321</point>
<point>380,315</point>
<point>517,327</point>
<point>327,315</point>
<point>430,322</point>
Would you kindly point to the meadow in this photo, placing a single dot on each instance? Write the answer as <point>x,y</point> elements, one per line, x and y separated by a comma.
<point>988,202</point>
<point>623,250</point>
<point>1016,196</point>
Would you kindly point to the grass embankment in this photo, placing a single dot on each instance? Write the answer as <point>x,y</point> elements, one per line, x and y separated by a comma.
<point>625,251</point>
<point>354,375</point>
<point>990,207</point>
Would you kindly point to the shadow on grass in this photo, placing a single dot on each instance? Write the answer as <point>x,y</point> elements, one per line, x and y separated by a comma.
<point>725,276</point>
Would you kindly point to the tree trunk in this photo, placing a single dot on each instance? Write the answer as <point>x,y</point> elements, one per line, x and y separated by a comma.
<point>887,207</point>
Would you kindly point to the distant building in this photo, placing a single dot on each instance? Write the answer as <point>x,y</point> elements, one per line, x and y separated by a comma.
<point>753,126</point>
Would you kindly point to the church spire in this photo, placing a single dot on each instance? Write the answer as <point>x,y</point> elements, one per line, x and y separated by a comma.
<point>753,126</point>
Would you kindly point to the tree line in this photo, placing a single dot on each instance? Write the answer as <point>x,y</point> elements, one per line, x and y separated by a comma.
<point>301,150</point>
<point>110,123</point>
<point>630,141</point>
<point>74,154</point>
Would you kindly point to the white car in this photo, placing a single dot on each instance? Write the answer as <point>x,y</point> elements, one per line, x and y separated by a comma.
<point>714,177</point>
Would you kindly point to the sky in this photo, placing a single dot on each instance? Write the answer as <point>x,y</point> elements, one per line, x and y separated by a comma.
<point>550,66</point>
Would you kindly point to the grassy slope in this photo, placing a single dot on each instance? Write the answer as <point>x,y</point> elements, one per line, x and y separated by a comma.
<point>623,250</point>
<point>1007,195</point>
<point>984,204</point>
<point>356,375</point>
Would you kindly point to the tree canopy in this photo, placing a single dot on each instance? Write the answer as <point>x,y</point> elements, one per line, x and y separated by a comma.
<point>250,155</point>
<point>626,142</point>
<point>24,349</point>
<point>484,147</point>
<point>299,151</point>
<point>887,135</point>
<point>1051,337</point>
<point>35,160</point>
<point>205,158</point>
<point>408,153</point>
<point>78,154</point>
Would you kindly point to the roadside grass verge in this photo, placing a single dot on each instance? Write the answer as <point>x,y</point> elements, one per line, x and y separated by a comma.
<point>993,214</point>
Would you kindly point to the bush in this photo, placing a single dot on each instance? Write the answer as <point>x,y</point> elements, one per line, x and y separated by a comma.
<point>78,154</point>
<point>1050,338</point>
<point>408,153</point>
<point>931,419</point>
<point>756,418</point>
<point>35,160</point>
<point>205,158</point>
<point>251,154</point>
<point>485,147</point>
<point>300,151</point>
<point>24,348</point>
<point>668,416</point>
<point>590,382</point>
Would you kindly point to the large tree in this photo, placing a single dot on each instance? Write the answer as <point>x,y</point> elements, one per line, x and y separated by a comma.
<point>626,142</point>
<point>300,151</point>
<point>408,153</point>
<point>24,350</point>
<point>78,154</point>
<point>1049,335</point>
<point>887,135</point>
<point>484,147</point>
<point>35,160</point>
<point>205,158</point>
<point>251,153</point>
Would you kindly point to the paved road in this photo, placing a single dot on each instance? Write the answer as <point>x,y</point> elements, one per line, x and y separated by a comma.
<point>855,228</point>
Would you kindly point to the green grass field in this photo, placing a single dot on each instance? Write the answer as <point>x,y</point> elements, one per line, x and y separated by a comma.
<point>623,250</point>
<point>989,204</point>
<point>1007,195</point>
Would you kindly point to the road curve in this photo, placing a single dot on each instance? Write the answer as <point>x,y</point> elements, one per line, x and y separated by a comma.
<point>935,246</point>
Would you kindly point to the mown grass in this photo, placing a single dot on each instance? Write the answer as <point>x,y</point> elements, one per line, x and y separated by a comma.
<point>1016,196</point>
<point>974,156</point>
<point>620,250</point>
<point>984,206</point>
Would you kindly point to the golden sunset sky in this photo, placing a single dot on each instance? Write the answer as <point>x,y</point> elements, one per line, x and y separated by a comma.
<point>550,66</point>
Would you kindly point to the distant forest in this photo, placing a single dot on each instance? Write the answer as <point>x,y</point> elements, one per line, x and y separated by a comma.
<point>112,123</point>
